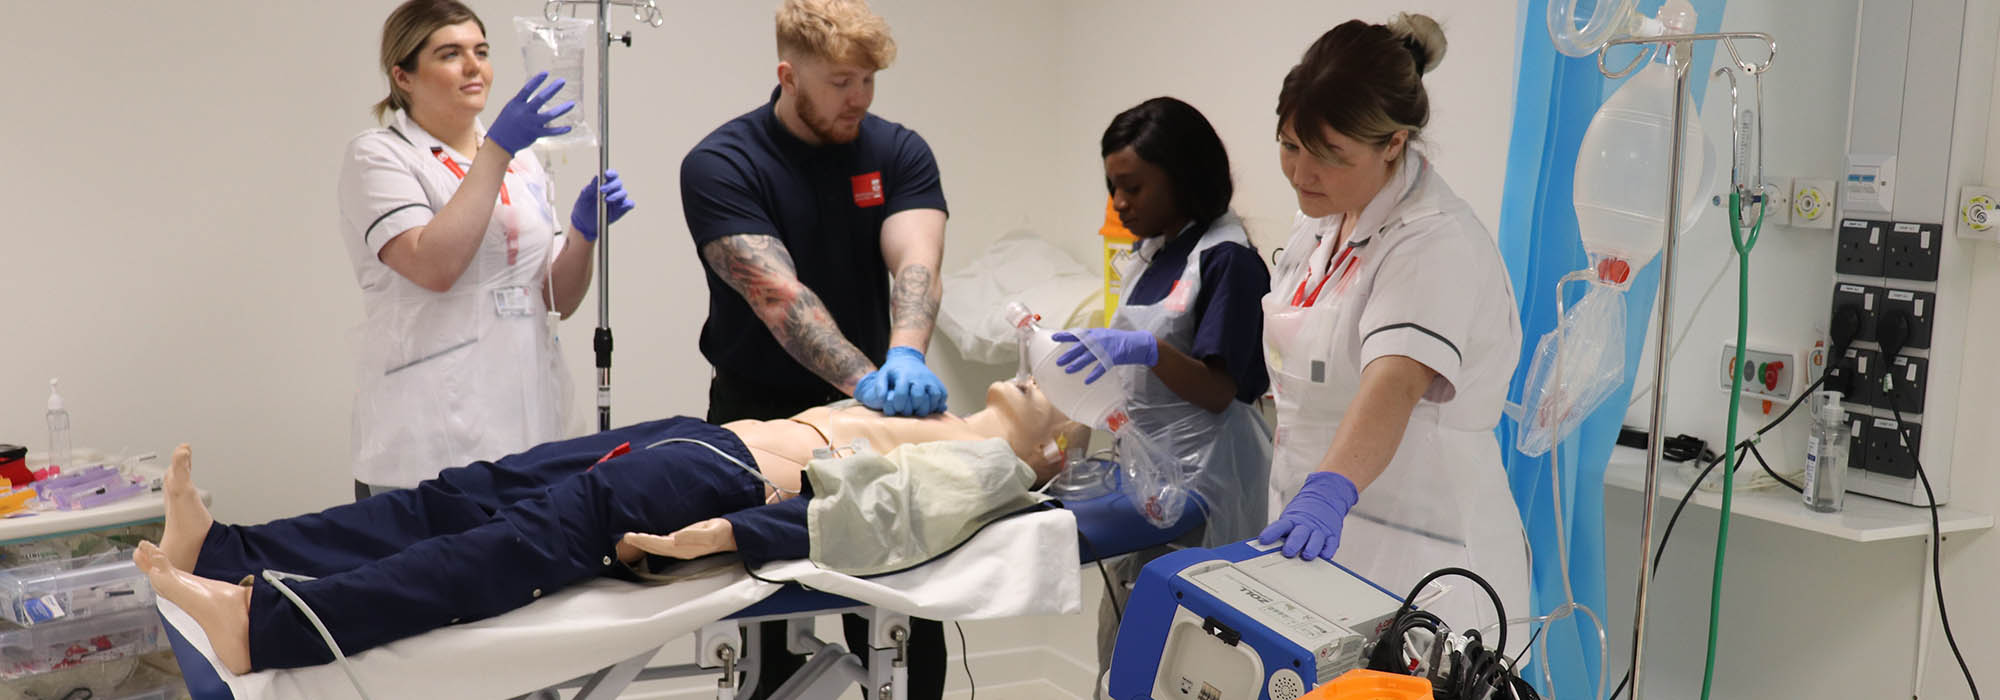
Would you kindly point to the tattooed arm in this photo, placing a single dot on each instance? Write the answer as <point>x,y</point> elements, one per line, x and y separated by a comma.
<point>913,245</point>
<point>759,268</point>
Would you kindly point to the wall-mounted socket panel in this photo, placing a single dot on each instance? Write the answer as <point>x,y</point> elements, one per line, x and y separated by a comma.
<point>1908,379</point>
<point>1865,297</point>
<point>1920,306</point>
<point>1859,248</point>
<point>1890,446</point>
<point>1855,376</point>
<point>1910,251</point>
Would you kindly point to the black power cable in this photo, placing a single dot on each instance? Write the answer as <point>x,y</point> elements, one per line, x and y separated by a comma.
<point>1476,671</point>
<point>1748,445</point>
<point>1892,331</point>
<point>965,658</point>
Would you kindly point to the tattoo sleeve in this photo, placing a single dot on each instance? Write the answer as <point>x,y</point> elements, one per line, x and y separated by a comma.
<point>913,299</point>
<point>760,269</point>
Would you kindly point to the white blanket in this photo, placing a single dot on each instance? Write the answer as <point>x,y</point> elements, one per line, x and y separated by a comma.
<point>1019,566</point>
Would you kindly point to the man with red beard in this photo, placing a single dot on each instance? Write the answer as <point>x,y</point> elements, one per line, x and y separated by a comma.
<point>822,227</point>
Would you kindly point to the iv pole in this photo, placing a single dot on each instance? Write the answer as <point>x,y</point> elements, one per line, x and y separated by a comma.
<point>1681,51</point>
<point>646,11</point>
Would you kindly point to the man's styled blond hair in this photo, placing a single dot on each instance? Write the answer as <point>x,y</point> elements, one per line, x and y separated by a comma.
<point>842,31</point>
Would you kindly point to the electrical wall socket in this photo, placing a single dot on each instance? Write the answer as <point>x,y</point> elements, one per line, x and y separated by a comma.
<point>1919,306</point>
<point>1890,446</point>
<point>1859,247</point>
<point>1910,251</point>
<point>1812,203</point>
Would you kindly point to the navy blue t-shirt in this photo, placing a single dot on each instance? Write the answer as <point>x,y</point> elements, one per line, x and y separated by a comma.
<point>1228,309</point>
<point>826,204</point>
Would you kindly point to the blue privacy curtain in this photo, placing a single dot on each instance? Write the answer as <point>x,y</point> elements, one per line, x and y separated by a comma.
<point>1554,99</point>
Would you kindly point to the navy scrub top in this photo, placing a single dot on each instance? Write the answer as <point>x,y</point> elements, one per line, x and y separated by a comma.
<point>1228,307</point>
<point>826,204</point>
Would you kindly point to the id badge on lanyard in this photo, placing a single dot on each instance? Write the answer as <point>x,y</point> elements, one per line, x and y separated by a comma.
<point>506,204</point>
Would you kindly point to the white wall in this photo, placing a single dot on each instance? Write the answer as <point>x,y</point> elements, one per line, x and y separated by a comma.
<point>174,255</point>
<point>1229,64</point>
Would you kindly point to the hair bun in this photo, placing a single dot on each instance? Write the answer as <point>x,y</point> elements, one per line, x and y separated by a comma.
<point>1422,36</point>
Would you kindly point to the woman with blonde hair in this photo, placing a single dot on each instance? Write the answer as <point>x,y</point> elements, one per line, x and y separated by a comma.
<point>463,264</point>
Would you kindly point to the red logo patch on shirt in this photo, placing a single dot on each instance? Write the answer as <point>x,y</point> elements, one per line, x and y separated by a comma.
<point>868,189</point>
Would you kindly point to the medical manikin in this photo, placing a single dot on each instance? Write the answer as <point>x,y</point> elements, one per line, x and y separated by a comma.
<point>489,537</point>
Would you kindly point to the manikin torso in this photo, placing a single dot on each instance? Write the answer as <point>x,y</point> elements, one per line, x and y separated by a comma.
<point>1019,414</point>
<point>782,447</point>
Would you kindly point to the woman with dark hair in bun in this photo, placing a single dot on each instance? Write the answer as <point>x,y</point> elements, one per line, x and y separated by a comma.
<point>1391,331</point>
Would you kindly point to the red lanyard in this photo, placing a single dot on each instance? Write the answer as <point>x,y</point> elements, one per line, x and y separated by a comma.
<point>513,236</point>
<point>1301,299</point>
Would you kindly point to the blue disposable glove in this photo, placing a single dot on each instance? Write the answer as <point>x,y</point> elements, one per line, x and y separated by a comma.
<point>904,386</point>
<point>1310,524</point>
<point>583,216</point>
<point>1125,348</point>
<point>522,120</point>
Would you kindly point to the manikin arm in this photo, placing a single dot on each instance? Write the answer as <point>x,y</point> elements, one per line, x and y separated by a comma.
<point>698,540</point>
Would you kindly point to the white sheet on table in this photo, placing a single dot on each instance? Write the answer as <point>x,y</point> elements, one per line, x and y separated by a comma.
<point>1016,567</point>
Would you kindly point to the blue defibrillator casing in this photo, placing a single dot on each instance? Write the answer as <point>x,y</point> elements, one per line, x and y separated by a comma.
<point>1242,622</point>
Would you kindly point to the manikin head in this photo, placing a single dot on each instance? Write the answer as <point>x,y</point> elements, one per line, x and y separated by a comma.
<point>828,53</point>
<point>1031,425</point>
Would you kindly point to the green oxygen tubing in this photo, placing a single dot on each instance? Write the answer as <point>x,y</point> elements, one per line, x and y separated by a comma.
<point>1743,245</point>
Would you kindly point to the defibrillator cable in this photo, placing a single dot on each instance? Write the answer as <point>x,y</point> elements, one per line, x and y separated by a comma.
<point>276,579</point>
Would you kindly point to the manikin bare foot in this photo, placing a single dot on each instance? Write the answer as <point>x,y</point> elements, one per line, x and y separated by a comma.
<point>222,609</point>
<point>187,518</point>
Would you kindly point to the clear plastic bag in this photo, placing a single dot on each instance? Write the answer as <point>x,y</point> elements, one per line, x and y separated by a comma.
<point>1155,481</point>
<point>1022,267</point>
<point>558,46</point>
<point>1576,367</point>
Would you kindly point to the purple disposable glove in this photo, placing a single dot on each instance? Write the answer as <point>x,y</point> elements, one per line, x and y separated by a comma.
<point>1310,524</point>
<point>522,120</point>
<point>1124,348</point>
<point>583,216</point>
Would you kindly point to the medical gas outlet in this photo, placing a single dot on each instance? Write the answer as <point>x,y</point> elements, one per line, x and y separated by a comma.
<point>1767,374</point>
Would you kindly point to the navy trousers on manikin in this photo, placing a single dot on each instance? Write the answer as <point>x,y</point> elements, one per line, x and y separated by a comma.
<point>475,542</point>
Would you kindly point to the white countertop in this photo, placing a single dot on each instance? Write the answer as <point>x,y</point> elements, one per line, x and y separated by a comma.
<point>1861,519</point>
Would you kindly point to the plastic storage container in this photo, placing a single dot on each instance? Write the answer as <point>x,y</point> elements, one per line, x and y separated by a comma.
<point>69,589</point>
<point>26,651</point>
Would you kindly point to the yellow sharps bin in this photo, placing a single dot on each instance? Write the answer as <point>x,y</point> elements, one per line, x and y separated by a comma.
<point>1117,246</point>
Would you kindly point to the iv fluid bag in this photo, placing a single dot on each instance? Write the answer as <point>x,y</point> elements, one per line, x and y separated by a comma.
<point>1621,170</point>
<point>1576,366</point>
<point>557,47</point>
